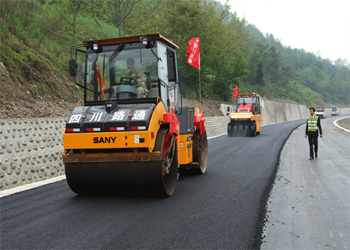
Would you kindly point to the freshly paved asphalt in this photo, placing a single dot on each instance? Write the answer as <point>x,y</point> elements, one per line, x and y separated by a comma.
<point>222,209</point>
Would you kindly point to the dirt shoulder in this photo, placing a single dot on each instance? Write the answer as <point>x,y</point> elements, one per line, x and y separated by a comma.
<point>36,96</point>
<point>345,123</point>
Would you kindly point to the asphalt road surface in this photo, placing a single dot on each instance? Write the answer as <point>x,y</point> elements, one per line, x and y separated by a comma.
<point>309,207</point>
<point>223,209</point>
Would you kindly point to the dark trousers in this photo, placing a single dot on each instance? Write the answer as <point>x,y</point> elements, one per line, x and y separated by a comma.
<point>313,142</point>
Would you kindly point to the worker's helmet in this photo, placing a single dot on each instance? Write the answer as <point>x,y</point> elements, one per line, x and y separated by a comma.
<point>130,61</point>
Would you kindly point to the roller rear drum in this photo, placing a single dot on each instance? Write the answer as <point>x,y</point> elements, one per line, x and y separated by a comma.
<point>157,176</point>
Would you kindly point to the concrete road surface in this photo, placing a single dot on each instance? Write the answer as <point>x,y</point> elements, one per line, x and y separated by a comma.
<point>309,206</point>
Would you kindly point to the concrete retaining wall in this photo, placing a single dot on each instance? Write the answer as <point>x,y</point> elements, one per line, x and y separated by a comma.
<point>31,149</point>
<point>275,112</point>
<point>216,125</point>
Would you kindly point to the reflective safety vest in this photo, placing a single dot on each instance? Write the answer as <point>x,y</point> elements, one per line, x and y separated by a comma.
<point>312,123</point>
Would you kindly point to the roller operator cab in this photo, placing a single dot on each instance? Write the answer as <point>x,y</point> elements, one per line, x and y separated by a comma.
<point>132,133</point>
<point>248,117</point>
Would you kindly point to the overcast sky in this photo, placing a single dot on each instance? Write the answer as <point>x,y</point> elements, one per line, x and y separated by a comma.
<point>318,26</point>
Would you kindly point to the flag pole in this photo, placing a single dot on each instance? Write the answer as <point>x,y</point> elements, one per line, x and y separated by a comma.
<point>200,92</point>
<point>199,72</point>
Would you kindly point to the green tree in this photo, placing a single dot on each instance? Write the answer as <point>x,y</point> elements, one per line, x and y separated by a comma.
<point>72,7</point>
<point>117,12</point>
<point>144,16</point>
<point>240,69</point>
<point>222,37</point>
<point>255,68</point>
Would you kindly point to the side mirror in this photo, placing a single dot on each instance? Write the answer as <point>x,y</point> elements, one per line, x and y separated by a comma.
<point>73,67</point>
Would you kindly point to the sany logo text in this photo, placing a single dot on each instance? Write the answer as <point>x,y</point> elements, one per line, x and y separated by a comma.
<point>104,139</point>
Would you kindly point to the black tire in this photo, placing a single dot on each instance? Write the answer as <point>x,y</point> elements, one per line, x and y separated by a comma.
<point>241,131</point>
<point>247,129</point>
<point>253,130</point>
<point>230,130</point>
<point>200,156</point>
<point>235,130</point>
<point>203,153</point>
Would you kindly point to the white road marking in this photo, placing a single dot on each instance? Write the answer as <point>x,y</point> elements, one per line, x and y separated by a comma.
<point>26,187</point>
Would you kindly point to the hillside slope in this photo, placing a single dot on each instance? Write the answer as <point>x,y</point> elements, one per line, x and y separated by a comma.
<point>18,99</point>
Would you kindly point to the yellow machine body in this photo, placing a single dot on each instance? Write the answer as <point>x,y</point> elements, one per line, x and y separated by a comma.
<point>113,140</point>
<point>186,149</point>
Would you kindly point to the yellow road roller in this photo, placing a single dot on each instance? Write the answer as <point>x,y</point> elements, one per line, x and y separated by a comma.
<point>131,133</point>
<point>247,120</point>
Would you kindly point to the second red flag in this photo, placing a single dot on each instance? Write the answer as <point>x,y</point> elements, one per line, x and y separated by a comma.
<point>235,92</point>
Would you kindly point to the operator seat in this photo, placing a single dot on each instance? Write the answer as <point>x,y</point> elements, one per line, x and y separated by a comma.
<point>126,92</point>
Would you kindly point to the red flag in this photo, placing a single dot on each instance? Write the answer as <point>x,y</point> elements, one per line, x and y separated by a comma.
<point>193,51</point>
<point>235,92</point>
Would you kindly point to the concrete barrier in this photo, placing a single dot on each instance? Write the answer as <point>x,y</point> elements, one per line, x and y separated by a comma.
<point>227,109</point>
<point>344,111</point>
<point>31,149</point>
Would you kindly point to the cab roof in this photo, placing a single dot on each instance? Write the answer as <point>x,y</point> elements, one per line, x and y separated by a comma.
<point>131,39</point>
<point>254,95</point>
